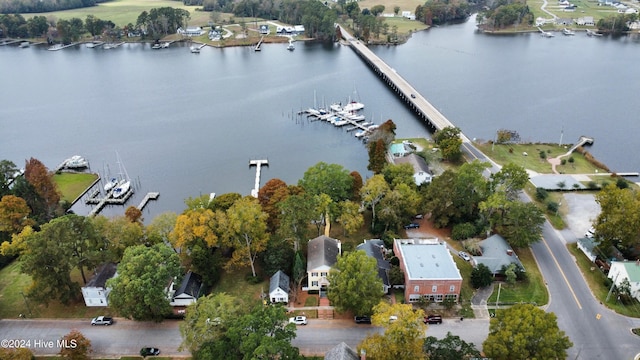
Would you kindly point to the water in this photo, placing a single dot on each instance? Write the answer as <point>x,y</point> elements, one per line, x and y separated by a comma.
<point>187,124</point>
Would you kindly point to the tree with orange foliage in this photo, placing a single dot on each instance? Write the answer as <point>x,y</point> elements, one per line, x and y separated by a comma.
<point>13,214</point>
<point>75,346</point>
<point>39,177</point>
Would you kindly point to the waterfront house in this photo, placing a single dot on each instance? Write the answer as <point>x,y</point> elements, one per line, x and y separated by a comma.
<point>279,287</point>
<point>421,172</point>
<point>496,254</point>
<point>429,270</point>
<point>322,255</point>
<point>564,21</point>
<point>629,270</point>
<point>375,248</point>
<point>188,293</point>
<point>95,292</point>
<point>190,31</point>
<point>264,30</point>
<point>585,21</point>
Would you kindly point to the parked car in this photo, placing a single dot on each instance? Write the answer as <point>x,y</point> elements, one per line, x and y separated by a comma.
<point>102,320</point>
<point>464,256</point>
<point>392,318</point>
<point>590,233</point>
<point>433,319</point>
<point>419,216</point>
<point>413,96</point>
<point>149,351</point>
<point>412,226</point>
<point>362,320</point>
<point>298,320</point>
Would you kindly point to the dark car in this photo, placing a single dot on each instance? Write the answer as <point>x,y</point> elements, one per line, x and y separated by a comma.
<point>362,320</point>
<point>433,319</point>
<point>413,96</point>
<point>412,226</point>
<point>149,351</point>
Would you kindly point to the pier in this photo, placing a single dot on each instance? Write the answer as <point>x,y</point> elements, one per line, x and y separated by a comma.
<point>257,48</point>
<point>150,196</point>
<point>106,200</point>
<point>258,164</point>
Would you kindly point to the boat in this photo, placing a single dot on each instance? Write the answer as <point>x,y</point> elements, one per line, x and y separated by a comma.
<point>165,45</point>
<point>195,50</point>
<point>111,184</point>
<point>156,46</point>
<point>291,47</point>
<point>353,106</point>
<point>90,45</point>
<point>546,34</point>
<point>568,32</point>
<point>25,44</point>
<point>76,162</point>
<point>124,186</point>
<point>55,47</point>
<point>108,46</point>
<point>593,33</point>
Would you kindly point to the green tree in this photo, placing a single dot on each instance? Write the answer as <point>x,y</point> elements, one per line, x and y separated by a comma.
<point>396,10</point>
<point>208,319</point>
<point>525,332</point>
<point>296,212</point>
<point>278,255</point>
<point>299,273</point>
<point>522,224</point>
<point>449,348</point>
<point>37,26</point>
<point>481,276</point>
<point>8,171</point>
<point>449,142</point>
<point>119,234</point>
<point>161,228</point>
<point>398,204</point>
<point>377,10</point>
<point>402,338</point>
<point>398,174</point>
<point>77,347</point>
<point>618,223</point>
<point>245,232</point>
<point>139,289</point>
<point>350,217</point>
<point>331,179</point>
<point>510,179</point>
<point>373,192</point>
<point>355,285</point>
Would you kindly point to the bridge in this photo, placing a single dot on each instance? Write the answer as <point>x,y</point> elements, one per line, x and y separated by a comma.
<point>421,106</point>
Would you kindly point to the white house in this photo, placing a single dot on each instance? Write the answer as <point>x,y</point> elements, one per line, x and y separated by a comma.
<point>188,293</point>
<point>421,172</point>
<point>629,270</point>
<point>279,288</point>
<point>190,31</point>
<point>322,254</point>
<point>95,293</point>
<point>585,21</point>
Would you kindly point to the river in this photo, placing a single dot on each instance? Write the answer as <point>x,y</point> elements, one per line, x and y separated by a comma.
<point>187,124</point>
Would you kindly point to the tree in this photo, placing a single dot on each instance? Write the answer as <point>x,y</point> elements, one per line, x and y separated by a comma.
<point>357,185</point>
<point>272,193</point>
<point>618,223</point>
<point>481,276</point>
<point>245,232</point>
<point>139,289</point>
<point>161,228</point>
<point>396,10</point>
<point>16,354</point>
<point>402,338</point>
<point>208,319</point>
<point>398,174</point>
<point>372,193</point>
<point>48,197</point>
<point>8,171</point>
<point>386,131</point>
<point>449,348</point>
<point>398,204</point>
<point>75,346</point>
<point>449,142</point>
<point>355,285</point>
<point>14,213</point>
<point>299,272</point>
<point>193,225</point>
<point>510,179</point>
<point>331,179</point>
<point>119,234</point>
<point>522,224</point>
<point>278,255</point>
<point>525,332</point>
<point>377,10</point>
<point>377,155</point>
<point>296,212</point>
<point>350,217</point>
<point>134,215</point>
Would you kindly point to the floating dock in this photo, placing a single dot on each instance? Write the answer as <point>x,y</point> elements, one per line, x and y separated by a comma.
<point>258,164</point>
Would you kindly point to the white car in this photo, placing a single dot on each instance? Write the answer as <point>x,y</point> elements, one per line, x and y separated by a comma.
<point>298,320</point>
<point>590,233</point>
<point>464,256</point>
<point>102,320</point>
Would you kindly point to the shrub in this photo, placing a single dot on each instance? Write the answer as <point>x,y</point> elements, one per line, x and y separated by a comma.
<point>622,183</point>
<point>552,206</point>
<point>481,276</point>
<point>543,155</point>
<point>541,194</point>
<point>592,185</point>
<point>571,160</point>
<point>463,231</point>
<point>563,162</point>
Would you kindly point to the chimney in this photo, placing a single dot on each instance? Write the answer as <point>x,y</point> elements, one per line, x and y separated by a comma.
<point>363,354</point>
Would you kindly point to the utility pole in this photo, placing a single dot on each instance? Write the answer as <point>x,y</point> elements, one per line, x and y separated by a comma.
<point>26,303</point>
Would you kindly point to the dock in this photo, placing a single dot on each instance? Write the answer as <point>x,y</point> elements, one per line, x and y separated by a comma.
<point>341,118</point>
<point>150,196</point>
<point>258,164</point>
<point>257,48</point>
<point>57,47</point>
<point>106,200</point>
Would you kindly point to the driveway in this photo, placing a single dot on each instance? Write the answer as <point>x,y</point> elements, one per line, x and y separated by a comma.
<point>582,212</point>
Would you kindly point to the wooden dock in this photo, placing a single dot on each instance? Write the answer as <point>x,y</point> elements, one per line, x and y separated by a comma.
<point>257,48</point>
<point>150,196</point>
<point>106,200</point>
<point>258,164</point>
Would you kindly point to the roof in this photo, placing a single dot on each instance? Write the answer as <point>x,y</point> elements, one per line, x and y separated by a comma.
<point>553,181</point>
<point>341,351</point>
<point>375,249</point>
<point>322,251</point>
<point>279,280</point>
<point>191,285</point>
<point>631,267</point>
<point>496,253</point>
<point>104,273</point>
<point>399,149</point>
<point>427,259</point>
<point>414,160</point>
<point>587,243</point>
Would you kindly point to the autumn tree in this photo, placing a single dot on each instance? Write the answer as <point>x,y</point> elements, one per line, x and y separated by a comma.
<point>377,155</point>
<point>331,179</point>
<point>355,285</point>
<point>134,215</point>
<point>245,232</point>
<point>525,332</point>
<point>139,289</point>
<point>75,346</point>
<point>119,234</point>
<point>385,132</point>
<point>372,193</point>
<point>350,217</point>
<point>402,338</point>
<point>449,348</point>
<point>16,354</point>
<point>38,176</point>
<point>269,196</point>
<point>357,185</point>
<point>14,213</point>
<point>449,142</point>
<point>208,320</point>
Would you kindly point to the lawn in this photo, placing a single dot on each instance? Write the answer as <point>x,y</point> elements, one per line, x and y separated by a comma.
<point>233,283</point>
<point>73,185</point>
<point>532,290</point>
<point>596,281</point>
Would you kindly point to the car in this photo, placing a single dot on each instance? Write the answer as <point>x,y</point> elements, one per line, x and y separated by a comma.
<point>298,320</point>
<point>433,319</point>
<point>413,96</point>
<point>419,216</point>
<point>149,351</point>
<point>362,320</point>
<point>102,320</point>
<point>464,256</point>
<point>590,233</point>
<point>412,226</point>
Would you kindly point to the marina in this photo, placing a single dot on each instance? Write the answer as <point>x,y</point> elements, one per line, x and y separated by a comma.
<point>339,116</point>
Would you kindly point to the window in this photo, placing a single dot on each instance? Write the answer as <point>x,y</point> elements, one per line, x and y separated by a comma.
<point>434,288</point>
<point>314,274</point>
<point>416,288</point>
<point>314,283</point>
<point>454,297</point>
<point>452,288</point>
<point>323,274</point>
<point>414,297</point>
<point>439,298</point>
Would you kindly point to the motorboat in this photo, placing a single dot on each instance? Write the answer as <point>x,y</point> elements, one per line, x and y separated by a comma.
<point>195,50</point>
<point>165,45</point>
<point>592,33</point>
<point>25,44</point>
<point>291,47</point>
<point>76,162</point>
<point>568,32</point>
<point>156,46</point>
<point>353,106</point>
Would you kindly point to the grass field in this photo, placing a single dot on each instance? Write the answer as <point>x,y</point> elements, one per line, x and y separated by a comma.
<point>72,185</point>
<point>531,290</point>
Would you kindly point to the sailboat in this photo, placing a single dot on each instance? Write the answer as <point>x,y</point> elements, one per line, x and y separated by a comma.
<point>124,185</point>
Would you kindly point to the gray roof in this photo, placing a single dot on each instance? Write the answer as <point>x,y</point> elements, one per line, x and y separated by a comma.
<point>191,285</point>
<point>322,251</point>
<point>427,259</point>
<point>104,273</point>
<point>374,248</point>
<point>495,254</point>
<point>414,160</point>
<point>341,351</point>
<point>551,181</point>
<point>279,280</point>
